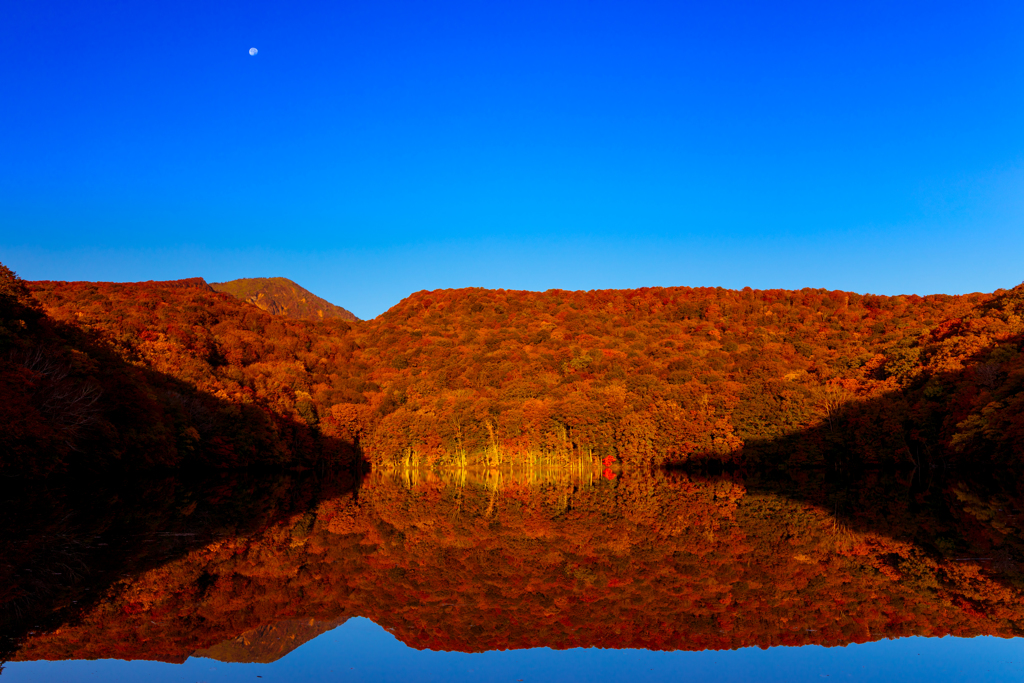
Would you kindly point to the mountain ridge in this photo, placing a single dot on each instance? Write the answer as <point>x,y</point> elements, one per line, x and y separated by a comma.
<point>281,296</point>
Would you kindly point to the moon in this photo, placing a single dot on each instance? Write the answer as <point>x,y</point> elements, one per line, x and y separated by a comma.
<point>253,51</point>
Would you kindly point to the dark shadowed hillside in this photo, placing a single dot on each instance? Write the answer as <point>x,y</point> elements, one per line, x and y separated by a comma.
<point>110,376</point>
<point>281,296</point>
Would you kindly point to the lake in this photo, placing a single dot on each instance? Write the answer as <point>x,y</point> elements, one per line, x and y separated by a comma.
<point>492,575</point>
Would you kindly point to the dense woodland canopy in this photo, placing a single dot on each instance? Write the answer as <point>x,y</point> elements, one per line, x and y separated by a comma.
<point>172,374</point>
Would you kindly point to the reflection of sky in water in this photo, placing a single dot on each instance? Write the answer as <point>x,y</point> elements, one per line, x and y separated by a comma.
<point>359,650</point>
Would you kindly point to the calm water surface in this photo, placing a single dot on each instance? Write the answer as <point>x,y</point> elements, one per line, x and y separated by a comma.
<point>513,576</point>
<point>362,651</point>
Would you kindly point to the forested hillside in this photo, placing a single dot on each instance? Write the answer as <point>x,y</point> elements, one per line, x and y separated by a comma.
<point>173,373</point>
<point>109,377</point>
<point>663,375</point>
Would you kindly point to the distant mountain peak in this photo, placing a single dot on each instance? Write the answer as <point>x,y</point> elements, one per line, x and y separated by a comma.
<point>281,296</point>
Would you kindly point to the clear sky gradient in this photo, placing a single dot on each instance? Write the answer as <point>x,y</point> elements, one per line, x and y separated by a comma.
<point>374,149</point>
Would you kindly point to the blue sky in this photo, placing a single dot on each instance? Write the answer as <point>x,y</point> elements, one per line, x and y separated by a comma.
<point>370,150</point>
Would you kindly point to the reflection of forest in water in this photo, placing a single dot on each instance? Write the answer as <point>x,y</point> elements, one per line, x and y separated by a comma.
<point>475,561</point>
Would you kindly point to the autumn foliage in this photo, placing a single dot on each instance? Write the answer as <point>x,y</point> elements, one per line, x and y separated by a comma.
<point>175,374</point>
<point>110,377</point>
<point>520,442</point>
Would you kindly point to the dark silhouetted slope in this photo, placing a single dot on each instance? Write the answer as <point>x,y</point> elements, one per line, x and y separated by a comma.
<point>281,296</point>
<point>131,376</point>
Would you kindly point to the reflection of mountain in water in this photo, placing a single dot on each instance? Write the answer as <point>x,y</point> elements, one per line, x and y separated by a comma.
<point>268,643</point>
<point>647,560</point>
<point>67,548</point>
